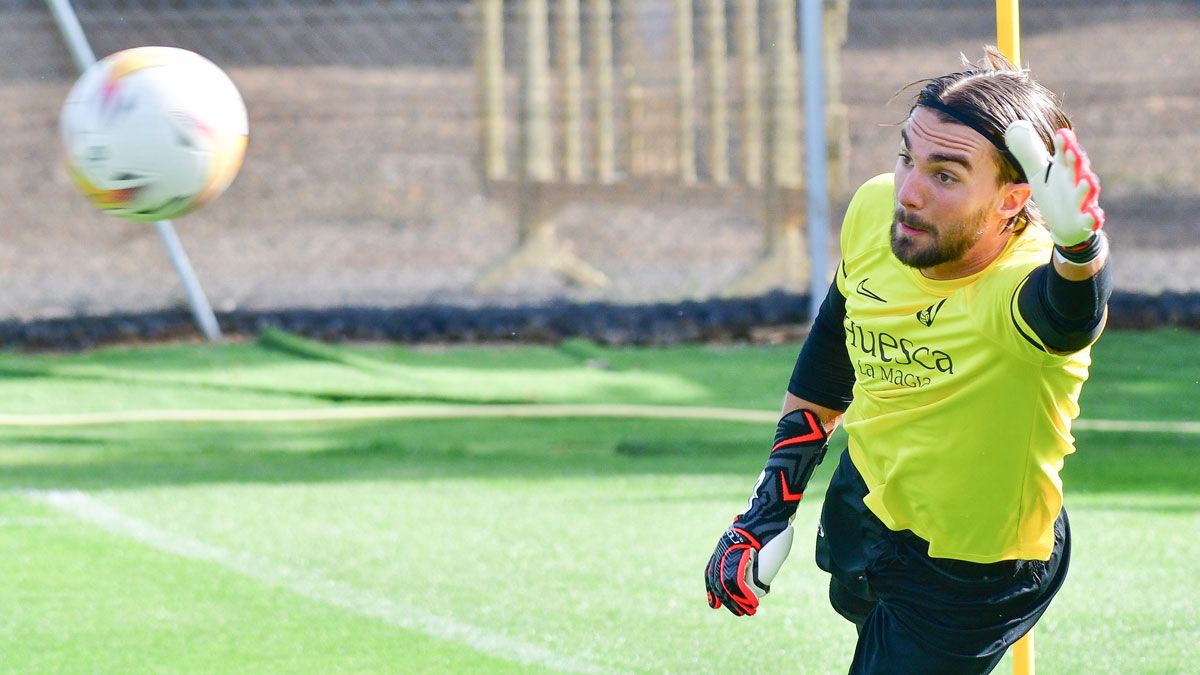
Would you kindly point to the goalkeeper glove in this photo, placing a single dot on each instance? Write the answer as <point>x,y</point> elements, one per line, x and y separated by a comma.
<point>733,576</point>
<point>1064,188</point>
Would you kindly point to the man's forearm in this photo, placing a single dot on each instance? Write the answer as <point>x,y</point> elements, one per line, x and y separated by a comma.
<point>1064,302</point>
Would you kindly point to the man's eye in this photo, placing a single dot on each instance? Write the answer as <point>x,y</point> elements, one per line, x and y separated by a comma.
<point>945,178</point>
<point>905,159</point>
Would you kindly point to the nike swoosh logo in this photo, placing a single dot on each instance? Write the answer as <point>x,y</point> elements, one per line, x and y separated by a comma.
<point>863,290</point>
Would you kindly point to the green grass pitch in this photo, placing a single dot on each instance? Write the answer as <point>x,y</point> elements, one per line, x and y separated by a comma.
<point>502,545</point>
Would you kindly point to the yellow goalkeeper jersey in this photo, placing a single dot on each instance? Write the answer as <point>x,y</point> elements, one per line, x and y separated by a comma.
<point>961,417</point>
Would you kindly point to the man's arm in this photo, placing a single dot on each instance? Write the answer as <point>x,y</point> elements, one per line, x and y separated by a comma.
<point>829,417</point>
<point>817,394</point>
<point>823,378</point>
<point>1063,302</point>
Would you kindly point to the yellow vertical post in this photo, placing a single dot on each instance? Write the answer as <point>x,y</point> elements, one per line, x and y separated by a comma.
<point>1008,39</point>
<point>835,26</point>
<point>535,83</point>
<point>1023,655</point>
<point>601,54</point>
<point>784,264</point>
<point>570,73</point>
<point>685,90</point>
<point>749,72</point>
<point>783,135</point>
<point>1008,29</point>
<point>538,247</point>
<point>490,65</point>
<point>718,107</point>
<point>630,56</point>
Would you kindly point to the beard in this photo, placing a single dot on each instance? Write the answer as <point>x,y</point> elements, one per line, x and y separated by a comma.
<point>937,245</point>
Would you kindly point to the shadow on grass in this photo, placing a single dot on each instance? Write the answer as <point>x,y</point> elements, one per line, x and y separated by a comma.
<point>136,456</point>
<point>288,365</point>
<point>133,456</point>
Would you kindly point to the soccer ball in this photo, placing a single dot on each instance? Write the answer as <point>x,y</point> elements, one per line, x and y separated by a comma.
<point>153,132</point>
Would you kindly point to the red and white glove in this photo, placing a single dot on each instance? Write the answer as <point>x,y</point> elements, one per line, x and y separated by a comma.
<point>1064,187</point>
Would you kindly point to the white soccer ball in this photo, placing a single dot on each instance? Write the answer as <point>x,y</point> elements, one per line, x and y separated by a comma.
<point>770,558</point>
<point>153,132</point>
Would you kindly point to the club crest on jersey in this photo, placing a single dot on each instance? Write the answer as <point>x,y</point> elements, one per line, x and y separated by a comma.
<point>927,315</point>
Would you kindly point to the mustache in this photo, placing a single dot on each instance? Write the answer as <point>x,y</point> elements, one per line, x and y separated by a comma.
<point>912,220</point>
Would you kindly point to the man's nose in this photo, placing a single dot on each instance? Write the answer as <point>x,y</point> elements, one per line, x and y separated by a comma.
<point>908,191</point>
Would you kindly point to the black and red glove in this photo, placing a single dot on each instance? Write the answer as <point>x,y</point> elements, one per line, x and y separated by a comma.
<point>732,576</point>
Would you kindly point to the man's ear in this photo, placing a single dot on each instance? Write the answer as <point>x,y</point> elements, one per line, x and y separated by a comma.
<point>1013,198</point>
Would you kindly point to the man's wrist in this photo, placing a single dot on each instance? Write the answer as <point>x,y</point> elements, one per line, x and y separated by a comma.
<point>1084,252</point>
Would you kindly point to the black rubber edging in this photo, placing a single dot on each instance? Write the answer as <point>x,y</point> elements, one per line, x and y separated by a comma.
<point>666,323</point>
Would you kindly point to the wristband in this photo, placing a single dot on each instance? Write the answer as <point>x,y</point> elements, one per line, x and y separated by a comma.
<point>1083,253</point>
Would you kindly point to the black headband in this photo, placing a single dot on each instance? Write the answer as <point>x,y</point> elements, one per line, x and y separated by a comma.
<point>929,102</point>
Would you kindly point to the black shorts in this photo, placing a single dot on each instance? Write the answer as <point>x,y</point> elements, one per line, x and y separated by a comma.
<point>917,614</point>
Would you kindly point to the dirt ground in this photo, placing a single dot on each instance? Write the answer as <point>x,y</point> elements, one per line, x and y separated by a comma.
<point>360,187</point>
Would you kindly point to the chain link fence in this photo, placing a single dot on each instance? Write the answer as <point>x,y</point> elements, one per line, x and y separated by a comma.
<point>366,181</point>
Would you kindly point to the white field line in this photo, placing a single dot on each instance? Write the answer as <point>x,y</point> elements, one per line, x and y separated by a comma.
<point>1138,425</point>
<point>307,584</point>
<point>459,411</point>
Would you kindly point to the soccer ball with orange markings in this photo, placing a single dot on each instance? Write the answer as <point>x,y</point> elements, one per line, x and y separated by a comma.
<point>153,132</point>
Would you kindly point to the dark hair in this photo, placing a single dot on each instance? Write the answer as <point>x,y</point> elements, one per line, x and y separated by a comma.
<point>988,96</point>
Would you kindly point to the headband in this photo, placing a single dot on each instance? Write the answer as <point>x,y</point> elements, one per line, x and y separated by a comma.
<point>930,102</point>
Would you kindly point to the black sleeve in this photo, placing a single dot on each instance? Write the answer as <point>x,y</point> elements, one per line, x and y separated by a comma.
<point>823,374</point>
<point>1065,315</point>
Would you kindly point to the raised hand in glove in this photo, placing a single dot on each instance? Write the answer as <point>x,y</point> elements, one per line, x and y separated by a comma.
<point>737,573</point>
<point>1064,187</point>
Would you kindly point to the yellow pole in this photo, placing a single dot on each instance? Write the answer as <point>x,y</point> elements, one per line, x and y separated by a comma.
<point>1008,39</point>
<point>1008,29</point>
<point>1023,655</point>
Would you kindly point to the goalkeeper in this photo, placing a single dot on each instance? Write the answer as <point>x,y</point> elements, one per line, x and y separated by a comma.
<point>952,345</point>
